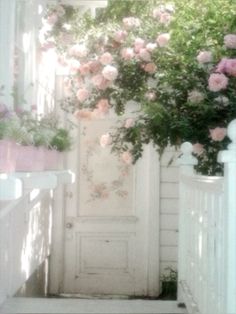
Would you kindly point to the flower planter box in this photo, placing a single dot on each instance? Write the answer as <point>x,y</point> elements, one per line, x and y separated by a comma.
<point>53,159</point>
<point>7,156</point>
<point>30,158</point>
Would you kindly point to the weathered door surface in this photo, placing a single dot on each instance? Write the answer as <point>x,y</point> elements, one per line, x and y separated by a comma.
<point>111,219</point>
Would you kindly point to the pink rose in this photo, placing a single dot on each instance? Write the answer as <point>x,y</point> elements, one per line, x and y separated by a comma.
<point>131,22</point>
<point>127,54</point>
<point>217,82</point>
<point>221,67</point>
<point>195,96</point>
<point>84,69</point>
<point>156,13</point>
<point>106,58</point>
<point>100,82</point>
<point>198,149</point>
<point>218,134</point>
<point>151,46</point>
<point>129,123</point>
<point>144,55</point>
<point>127,158</point>
<point>103,106</point>
<point>94,66</point>
<point>165,18</point>
<point>120,36</point>
<point>204,57</point>
<point>105,140</point>
<point>150,68</point>
<point>227,66</point>
<point>230,41</point>
<point>83,114</point>
<point>82,94</point>
<point>79,51</point>
<point>163,39</point>
<point>139,43</point>
<point>230,67</point>
<point>110,72</point>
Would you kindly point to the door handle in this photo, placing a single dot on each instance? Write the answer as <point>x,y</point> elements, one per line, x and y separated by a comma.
<point>69,225</point>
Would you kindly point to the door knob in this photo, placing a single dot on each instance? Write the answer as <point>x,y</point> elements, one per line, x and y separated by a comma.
<point>69,225</point>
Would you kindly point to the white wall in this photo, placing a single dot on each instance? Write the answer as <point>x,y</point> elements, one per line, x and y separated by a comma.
<point>168,210</point>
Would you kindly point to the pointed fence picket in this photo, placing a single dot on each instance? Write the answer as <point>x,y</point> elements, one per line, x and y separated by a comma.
<point>207,234</point>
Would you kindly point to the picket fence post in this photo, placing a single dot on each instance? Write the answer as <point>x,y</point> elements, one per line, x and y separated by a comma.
<point>228,157</point>
<point>186,167</point>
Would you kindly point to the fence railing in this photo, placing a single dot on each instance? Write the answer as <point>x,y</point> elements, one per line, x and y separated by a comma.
<point>207,234</point>
<point>25,239</point>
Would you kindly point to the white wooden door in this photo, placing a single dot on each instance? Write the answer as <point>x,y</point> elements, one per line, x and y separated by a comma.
<point>111,219</point>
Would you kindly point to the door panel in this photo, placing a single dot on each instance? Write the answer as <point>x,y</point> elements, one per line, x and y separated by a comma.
<point>107,218</point>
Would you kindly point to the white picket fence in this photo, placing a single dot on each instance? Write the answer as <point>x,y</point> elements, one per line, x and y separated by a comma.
<point>207,234</point>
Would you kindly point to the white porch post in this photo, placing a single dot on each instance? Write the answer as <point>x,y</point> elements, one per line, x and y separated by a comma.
<point>186,163</point>
<point>228,157</point>
<point>7,40</point>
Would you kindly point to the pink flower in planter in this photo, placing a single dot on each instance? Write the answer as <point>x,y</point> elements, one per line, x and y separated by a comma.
<point>163,39</point>
<point>110,72</point>
<point>127,54</point>
<point>82,94</point>
<point>144,55</point>
<point>105,140</point>
<point>217,82</point>
<point>198,149</point>
<point>230,41</point>
<point>131,22</point>
<point>150,68</point>
<point>218,134</point>
<point>139,43</point>
<point>120,36</point>
<point>204,57</point>
<point>106,58</point>
<point>129,123</point>
<point>103,106</point>
<point>127,158</point>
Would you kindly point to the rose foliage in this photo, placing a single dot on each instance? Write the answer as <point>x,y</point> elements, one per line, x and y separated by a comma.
<point>177,60</point>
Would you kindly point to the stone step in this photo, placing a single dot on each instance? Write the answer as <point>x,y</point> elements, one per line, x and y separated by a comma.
<point>81,306</point>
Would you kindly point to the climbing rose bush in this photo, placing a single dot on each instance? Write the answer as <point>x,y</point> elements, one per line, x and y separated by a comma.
<point>177,60</point>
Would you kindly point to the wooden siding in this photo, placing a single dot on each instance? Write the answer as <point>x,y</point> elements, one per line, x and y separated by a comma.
<point>169,177</point>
